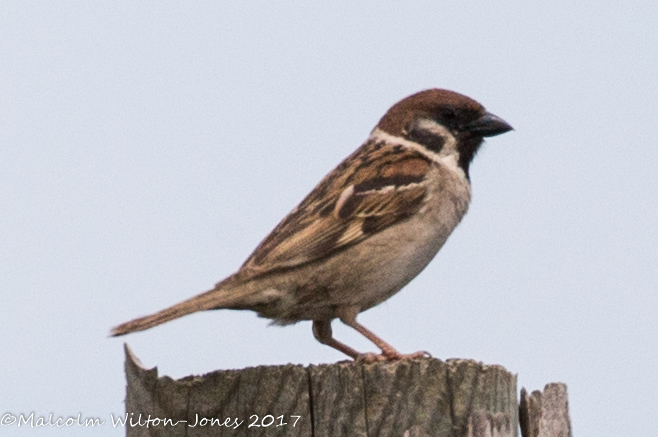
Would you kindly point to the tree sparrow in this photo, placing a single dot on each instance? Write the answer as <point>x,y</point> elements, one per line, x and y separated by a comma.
<point>366,230</point>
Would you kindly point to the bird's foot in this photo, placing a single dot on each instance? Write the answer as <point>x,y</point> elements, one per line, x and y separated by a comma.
<point>393,355</point>
<point>416,355</point>
<point>390,355</point>
<point>369,358</point>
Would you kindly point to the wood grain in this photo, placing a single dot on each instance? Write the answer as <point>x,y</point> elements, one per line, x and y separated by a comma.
<point>545,414</point>
<point>412,398</point>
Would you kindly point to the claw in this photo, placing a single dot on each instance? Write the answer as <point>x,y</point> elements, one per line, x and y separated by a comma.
<point>418,355</point>
<point>390,355</point>
<point>396,356</point>
<point>370,358</point>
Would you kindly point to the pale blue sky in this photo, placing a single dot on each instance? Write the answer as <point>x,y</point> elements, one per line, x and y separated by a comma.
<point>147,148</point>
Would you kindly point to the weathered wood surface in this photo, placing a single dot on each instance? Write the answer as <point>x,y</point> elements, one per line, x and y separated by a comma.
<point>410,398</point>
<point>545,414</point>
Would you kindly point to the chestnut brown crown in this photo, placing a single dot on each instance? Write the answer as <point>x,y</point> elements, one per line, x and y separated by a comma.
<point>456,115</point>
<point>457,112</point>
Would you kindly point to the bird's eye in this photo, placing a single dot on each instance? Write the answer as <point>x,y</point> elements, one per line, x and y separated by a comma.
<point>448,114</point>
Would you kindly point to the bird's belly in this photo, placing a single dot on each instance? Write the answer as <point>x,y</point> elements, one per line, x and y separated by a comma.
<point>398,258</point>
<point>372,271</point>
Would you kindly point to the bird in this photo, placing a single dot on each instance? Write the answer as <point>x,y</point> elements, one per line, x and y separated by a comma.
<point>366,230</point>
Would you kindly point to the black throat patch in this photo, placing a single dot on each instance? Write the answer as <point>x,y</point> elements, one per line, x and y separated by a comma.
<point>468,148</point>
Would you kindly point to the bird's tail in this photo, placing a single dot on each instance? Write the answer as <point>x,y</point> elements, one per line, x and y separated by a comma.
<point>224,295</point>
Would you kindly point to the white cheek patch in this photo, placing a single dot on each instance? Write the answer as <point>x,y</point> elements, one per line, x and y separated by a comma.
<point>431,126</point>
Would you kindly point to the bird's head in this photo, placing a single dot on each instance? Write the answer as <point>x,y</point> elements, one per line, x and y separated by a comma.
<point>444,122</point>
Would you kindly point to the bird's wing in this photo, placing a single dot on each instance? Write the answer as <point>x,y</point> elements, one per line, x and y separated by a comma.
<point>376,187</point>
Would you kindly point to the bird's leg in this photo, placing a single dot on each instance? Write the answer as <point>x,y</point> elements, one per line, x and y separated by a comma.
<point>322,332</point>
<point>389,353</point>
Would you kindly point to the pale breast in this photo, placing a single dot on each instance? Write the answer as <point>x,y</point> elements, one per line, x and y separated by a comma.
<point>410,246</point>
<point>371,271</point>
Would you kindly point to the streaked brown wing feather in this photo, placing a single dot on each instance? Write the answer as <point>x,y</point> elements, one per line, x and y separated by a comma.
<point>381,196</point>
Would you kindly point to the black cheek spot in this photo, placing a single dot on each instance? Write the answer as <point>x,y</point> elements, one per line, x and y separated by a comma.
<point>428,139</point>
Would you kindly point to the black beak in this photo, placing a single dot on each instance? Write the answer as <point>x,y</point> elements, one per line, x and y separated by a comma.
<point>488,125</point>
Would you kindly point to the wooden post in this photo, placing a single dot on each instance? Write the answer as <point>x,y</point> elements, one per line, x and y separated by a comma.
<point>544,414</point>
<point>409,398</point>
